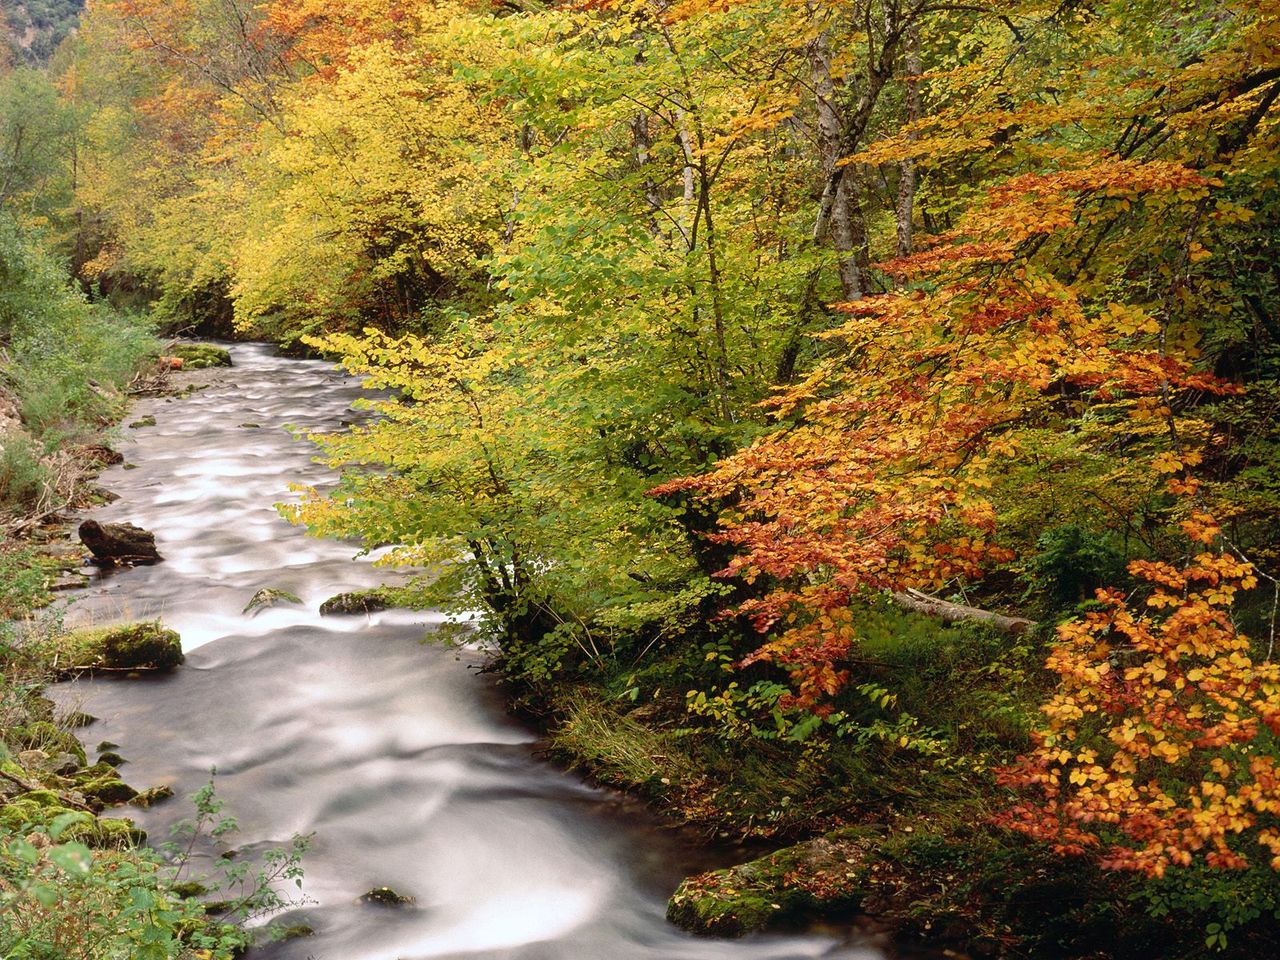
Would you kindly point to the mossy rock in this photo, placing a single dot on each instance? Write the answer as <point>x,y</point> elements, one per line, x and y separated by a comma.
<point>46,799</point>
<point>151,796</point>
<point>188,889</point>
<point>386,897</point>
<point>281,933</point>
<point>111,759</point>
<point>78,719</point>
<point>148,421</point>
<point>197,356</point>
<point>136,646</point>
<point>819,878</point>
<point>108,791</point>
<point>22,812</point>
<point>357,601</point>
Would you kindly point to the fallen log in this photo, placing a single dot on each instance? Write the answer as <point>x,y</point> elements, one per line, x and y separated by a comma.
<point>949,612</point>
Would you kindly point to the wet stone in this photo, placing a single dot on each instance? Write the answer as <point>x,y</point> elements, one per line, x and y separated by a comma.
<point>360,601</point>
<point>149,797</point>
<point>119,542</point>
<point>386,897</point>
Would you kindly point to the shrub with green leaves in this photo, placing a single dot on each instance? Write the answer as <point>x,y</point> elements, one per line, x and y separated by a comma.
<point>61,900</point>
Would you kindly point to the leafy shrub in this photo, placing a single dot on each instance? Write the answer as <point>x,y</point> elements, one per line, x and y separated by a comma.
<point>1071,562</point>
<point>68,360</point>
<point>23,478</point>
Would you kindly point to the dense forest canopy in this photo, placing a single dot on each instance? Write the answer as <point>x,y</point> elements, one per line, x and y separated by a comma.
<point>714,333</point>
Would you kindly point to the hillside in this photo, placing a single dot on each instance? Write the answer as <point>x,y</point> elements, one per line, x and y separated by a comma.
<point>32,29</point>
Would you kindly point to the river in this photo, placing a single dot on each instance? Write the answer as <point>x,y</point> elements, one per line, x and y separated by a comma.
<point>397,755</point>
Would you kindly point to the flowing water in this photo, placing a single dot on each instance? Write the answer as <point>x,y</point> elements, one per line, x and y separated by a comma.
<point>396,755</point>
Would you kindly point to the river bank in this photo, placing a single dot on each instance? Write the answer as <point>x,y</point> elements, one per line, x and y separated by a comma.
<point>75,870</point>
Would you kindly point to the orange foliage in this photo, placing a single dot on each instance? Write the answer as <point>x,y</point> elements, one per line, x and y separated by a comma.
<point>883,483</point>
<point>1160,746</point>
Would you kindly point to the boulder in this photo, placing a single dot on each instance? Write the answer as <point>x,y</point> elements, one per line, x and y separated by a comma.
<point>64,764</point>
<point>112,543</point>
<point>145,646</point>
<point>108,791</point>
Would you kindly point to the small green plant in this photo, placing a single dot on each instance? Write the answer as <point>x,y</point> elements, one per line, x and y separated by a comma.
<point>247,891</point>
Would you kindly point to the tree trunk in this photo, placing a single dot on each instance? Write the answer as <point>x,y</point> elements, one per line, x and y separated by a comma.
<point>907,169</point>
<point>843,208</point>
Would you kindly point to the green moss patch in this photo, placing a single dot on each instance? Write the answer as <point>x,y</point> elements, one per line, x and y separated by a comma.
<point>137,646</point>
<point>197,356</point>
<point>801,883</point>
<point>270,597</point>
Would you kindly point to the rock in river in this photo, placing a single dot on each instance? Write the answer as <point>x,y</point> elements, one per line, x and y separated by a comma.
<point>119,543</point>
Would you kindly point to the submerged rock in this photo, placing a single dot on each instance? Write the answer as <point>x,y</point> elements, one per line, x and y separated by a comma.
<point>817,878</point>
<point>386,897</point>
<point>119,543</point>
